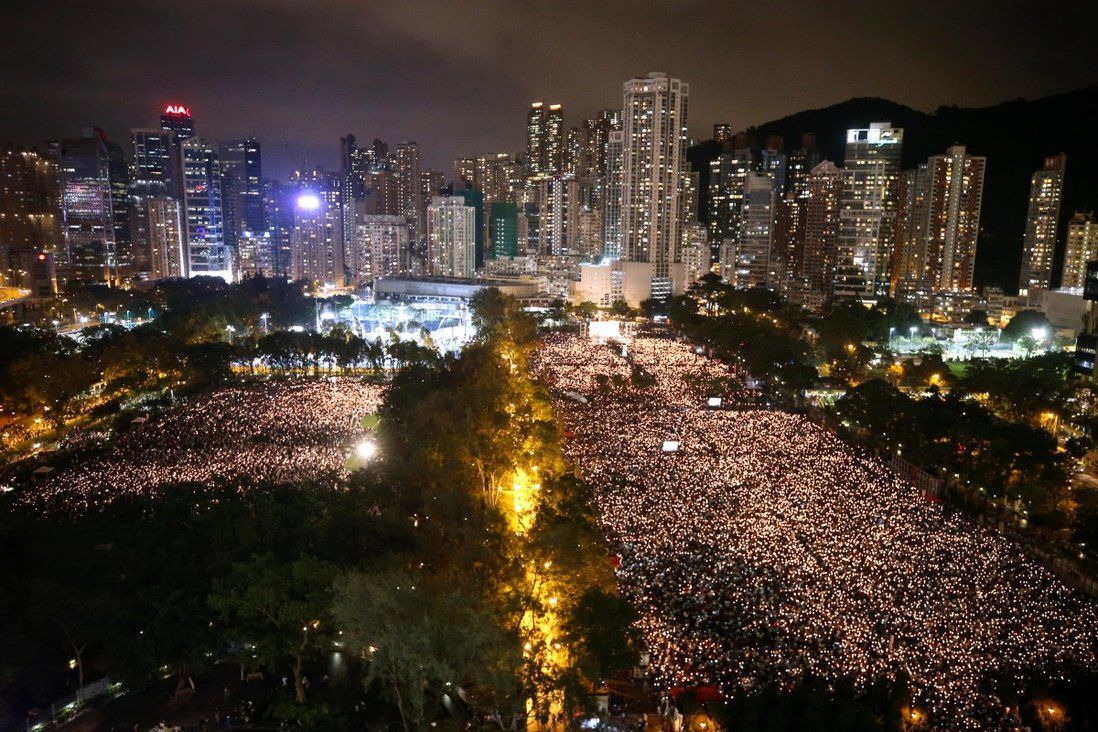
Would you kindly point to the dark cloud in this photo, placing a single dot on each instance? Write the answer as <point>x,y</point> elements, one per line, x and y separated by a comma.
<point>456,76</point>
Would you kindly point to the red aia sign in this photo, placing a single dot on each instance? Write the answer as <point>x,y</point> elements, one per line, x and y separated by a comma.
<point>177,109</point>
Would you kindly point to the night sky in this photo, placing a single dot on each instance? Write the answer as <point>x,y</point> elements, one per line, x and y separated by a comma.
<point>457,76</point>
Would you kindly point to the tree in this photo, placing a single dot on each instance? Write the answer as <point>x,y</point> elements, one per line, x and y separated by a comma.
<point>600,631</point>
<point>976,317</point>
<point>420,636</point>
<point>281,607</point>
<point>1025,323</point>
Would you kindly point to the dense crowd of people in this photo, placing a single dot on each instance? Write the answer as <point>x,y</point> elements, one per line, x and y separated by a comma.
<point>280,431</point>
<point>764,550</point>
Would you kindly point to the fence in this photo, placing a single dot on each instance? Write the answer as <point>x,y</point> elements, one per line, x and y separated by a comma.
<point>61,708</point>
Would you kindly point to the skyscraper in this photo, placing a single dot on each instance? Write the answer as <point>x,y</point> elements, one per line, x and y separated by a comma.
<point>278,200</point>
<point>451,237</point>
<point>163,236</point>
<point>318,238</point>
<point>821,231</point>
<point>654,126</point>
<point>1081,247</point>
<point>381,248</point>
<point>727,175</point>
<point>153,166</point>
<point>756,265</point>
<point>504,229</point>
<point>554,140</point>
<point>611,203</point>
<point>406,165</point>
<point>242,200</point>
<point>867,220</point>
<point>203,222</point>
<point>940,222</point>
<point>30,221</point>
<point>558,215</point>
<point>83,165</point>
<point>1045,192</point>
<point>535,139</point>
<point>544,139</point>
<point>722,131</point>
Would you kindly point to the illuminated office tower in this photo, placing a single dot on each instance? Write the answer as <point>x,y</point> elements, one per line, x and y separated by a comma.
<point>177,119</point>
<point>153,166</point>
<point>30,221</point>
<point>821,231</point>
<point>451,237</point>
<point>381,248</point>
<point>406,167</point>
<point>318,238</point>
<point>279,201</point>
<point>611,203</point>
<point>83,165</point>
<point>1045,192</point>
<point>1081,247</point>
<point>756,265</point>
<point>242,201</point>
<point>178,124</point>
<point>938,223</point>
<point>203,223</point>
<point>654,123</point>
<point>867,217</point>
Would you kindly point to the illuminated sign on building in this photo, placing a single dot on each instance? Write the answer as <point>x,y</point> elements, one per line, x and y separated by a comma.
<point>177,109</point>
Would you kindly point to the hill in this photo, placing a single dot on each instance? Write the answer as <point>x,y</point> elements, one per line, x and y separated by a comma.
<point>1015,137</point>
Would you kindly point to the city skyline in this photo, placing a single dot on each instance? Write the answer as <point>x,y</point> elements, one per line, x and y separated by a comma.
<point>452,77</point>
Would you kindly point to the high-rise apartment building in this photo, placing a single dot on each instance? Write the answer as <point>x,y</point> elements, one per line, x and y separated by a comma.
<point>722,131</point>
<point>727,175</point>
<point>203,221</point>
<point>451,237</point>
<point>504,229</point>
<point>1081,247</point>
<point>558,215</point>
<point>611,203</point>
<point>821,231</point>
<point>1045,193</point>
<point>381,248</point>
<point>406,167</point>
<point>164,234</point>
<point>938,224</point>
<point>654,126</point>
<point>867,218</point>
<point>756,265</point>
<point>83,165</point>
<point>544,139</point>
<point>318,254</point>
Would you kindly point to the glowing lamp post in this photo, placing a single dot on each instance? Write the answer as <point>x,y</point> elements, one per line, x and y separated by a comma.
<point>366,450</point>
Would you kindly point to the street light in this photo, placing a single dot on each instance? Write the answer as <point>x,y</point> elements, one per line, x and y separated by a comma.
<point>366,450</point>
